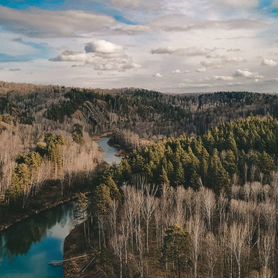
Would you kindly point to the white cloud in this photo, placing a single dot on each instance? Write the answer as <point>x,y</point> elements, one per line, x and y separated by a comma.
<point>210,63</point>
<point>220,61</point>
<point>223,78</point>
<point>131,29</point>
<point>234,59</point>
<point>103,47</point>
<point>127,3</point>
<point>198,36</point>
<point>215,56</point>
<point>203,69</point>
<point>43,23</point>
<point>103,55</point>
<point>176,71</point>
<point>268,62</point>
<point>239,3</point>
<point>157,75</point>
<point>14,69</point>
<point>163,50</point>
<point>243,73</point>
<point>190,51</point>
<point>247,74</point>
<point>168,25</point>
<point>233,50</point>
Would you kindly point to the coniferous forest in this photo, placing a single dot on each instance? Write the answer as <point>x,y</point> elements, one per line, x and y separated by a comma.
<point>194,195</point>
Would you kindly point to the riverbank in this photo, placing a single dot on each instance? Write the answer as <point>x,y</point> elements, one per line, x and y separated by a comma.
<point>54,193</point>
<point>40,226</point>
<point>105,263</point>
<point>47,199</point>
<point>121,149</point>
<point>78,260</point>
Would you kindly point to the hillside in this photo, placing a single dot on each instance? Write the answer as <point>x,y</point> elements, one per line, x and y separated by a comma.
<point>193,196</point>
<point>185,207</point>
<point>147,113</point>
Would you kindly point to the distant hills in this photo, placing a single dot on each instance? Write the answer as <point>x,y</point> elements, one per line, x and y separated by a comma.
<point>147,113</point>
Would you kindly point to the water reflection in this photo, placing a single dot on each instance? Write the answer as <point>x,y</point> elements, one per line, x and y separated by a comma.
<point>28,247</point>
<point>109,152</point>
<point>19,238</point>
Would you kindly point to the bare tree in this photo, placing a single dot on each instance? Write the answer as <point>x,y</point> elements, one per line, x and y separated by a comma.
<point>211,252</point>
<point>266,251</point>
<point>195,226</point>
<point>238,237</point>
<point>148,208</point>
<point>209,204</point>
<point>117,243</point>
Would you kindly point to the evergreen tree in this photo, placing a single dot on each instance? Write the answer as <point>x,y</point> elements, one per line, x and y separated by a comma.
<point>230,163</point>
<point>176,249</point>
<point>217,176</point>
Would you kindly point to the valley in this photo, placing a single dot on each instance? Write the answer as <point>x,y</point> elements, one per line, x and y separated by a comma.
<point>136,183</point>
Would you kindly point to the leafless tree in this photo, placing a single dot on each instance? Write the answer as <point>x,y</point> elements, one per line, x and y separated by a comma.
<point>209,205</point>
<point>211,252</point>
<point>238,237</point>
<point>195,226</point>
<point>148,207</point>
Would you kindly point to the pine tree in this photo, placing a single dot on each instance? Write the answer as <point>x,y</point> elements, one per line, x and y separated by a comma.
<point>217,176</point>
<point>229,163</point>
<point>176,248</point>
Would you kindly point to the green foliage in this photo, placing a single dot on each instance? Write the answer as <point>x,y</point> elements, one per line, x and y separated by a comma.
<point>33,160</point>
<point>103,199</point>
<point>176,248</point>
<point>21,183</point>
<point>105,193</point>
<point>77,134</point>
<point>28,164</point>
<point>82,205</point>
<point>213,159</point>
<point>217,177</point>
<point>51,149</point>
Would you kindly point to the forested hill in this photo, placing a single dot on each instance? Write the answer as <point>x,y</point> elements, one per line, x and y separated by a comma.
<point>144,112</point>
<point>234,153</point>
<point>194,196</point>
<point>187,206</point>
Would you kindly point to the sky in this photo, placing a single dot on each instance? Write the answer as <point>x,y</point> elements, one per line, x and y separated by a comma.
<point>173,46</point>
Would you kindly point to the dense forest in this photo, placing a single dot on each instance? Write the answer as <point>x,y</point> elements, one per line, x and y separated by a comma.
<point>194,195</point>
<point>143,112</point>
<point>192,206</point>
<point>235,152</point>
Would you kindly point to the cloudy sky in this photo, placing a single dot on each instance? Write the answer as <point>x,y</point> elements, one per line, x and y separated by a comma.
<point>176,46</point>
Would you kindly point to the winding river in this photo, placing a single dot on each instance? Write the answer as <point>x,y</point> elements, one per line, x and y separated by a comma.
<point>27,248</point>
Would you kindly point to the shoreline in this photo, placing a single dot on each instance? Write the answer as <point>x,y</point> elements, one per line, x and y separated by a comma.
<point>55,203</point>
<point>27,215</point>
<point>18,217</point>
<point>121,152</point>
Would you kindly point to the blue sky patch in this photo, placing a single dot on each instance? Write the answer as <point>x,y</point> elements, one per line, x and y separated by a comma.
<point>267,6</point>
<point>41,4</point>
<point>41,51</point>
<point>99,7</point>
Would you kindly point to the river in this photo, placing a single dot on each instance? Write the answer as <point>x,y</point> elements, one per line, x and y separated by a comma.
<point>27,248</point>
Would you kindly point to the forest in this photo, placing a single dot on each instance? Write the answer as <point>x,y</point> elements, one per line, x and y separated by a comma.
<point>192,206</point>
<point>195,192</point>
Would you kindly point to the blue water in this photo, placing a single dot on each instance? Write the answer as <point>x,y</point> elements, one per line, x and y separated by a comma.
<point>27,248</point>
<point>109,152</point>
